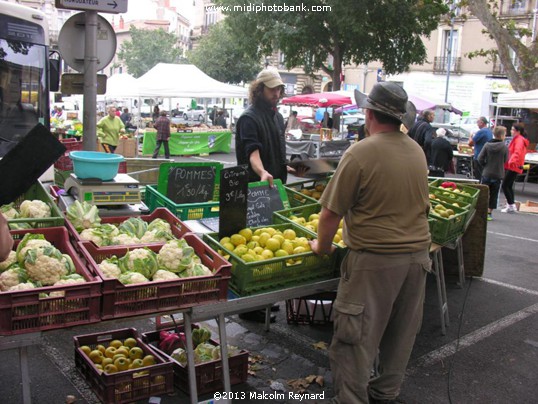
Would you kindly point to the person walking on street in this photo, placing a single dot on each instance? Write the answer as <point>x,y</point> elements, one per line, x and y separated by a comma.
<point>478,140</point>
<point>260,141</point>
<point>492,158</point>
<point>441,154</point>
<point>423,132</point>
<point>379,303</point>
<point>514,166</point>
<point>156,113</point>
<point>162,124</point>
<point>109,129</point>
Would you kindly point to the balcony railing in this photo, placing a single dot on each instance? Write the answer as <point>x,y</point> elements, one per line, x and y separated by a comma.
<point>515,7</point>
<point>440,64</point>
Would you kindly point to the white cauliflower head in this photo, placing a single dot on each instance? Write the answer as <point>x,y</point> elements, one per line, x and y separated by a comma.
<point>11,259</point>
<point>110,268</point>
<point>125,239</point>
<point>176,255</point>
<point>92,235</point>
<point>156,236</point>
<point>9,211</point>
<point>12,277</point>
<point>67,280</point>
<point>45,265</point>
<point>129,278</point>
<point>141,260</point>
<point>35,209</point>
<point>29,242</point>
<point>22,286</point>
<point>164,275</point>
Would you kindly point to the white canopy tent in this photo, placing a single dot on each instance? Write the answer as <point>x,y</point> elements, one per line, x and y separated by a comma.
<point>525,99</point>
<point>185,81</point>
<point>121,85</point>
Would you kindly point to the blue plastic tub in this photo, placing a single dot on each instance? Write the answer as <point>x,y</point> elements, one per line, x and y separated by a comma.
<point>90,164</point>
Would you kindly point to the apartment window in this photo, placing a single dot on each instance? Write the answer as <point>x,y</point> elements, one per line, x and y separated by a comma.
<point>281,59</point>
<point>450,53</point>
<point>518,4</point>
<point>210,17</point>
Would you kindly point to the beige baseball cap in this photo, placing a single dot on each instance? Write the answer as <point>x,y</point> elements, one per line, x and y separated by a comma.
<point>270,77</point>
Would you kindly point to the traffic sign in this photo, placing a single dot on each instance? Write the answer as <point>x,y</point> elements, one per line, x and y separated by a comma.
<point>103,6</point>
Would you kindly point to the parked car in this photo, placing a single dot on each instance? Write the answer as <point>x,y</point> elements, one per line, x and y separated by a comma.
<point>353,120</point>
<point>470,124</point>
<point>195,114</point>
<point>178,111</point>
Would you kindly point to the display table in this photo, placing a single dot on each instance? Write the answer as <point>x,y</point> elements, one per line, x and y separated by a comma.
<point>190,143</point>
<point>316,148</point>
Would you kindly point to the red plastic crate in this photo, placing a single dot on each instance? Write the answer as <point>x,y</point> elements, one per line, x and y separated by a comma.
<point>208,374</point>
<point>122,169</point>
<point>121,300</point>
<point>24,311</point>
<point>64,163</point>
<point>124,386</point>
<point>72,144</point>
<point>179,229</point>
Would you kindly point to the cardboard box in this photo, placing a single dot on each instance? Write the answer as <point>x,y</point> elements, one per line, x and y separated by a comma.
<point>126,147</point>
<point>529,207</point>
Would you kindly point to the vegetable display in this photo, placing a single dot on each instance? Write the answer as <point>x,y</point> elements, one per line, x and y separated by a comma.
<point>30,209</point>
<point>175,260</point>
<point>36,263</point>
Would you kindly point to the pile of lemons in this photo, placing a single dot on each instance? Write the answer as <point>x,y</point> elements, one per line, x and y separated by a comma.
<point>265,243</point>
<point>312,224</point>
<point>441,211</point>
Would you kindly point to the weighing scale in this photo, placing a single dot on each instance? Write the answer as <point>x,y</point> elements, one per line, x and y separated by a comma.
<point>118,197</point>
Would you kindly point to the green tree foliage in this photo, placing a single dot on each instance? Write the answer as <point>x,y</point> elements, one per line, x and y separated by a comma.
<point>220,55</point>
<point>147,48</point>
<point>351,31</point>
<point>508,36</point>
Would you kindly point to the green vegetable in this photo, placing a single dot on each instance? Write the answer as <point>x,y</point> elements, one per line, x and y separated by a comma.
<point>20,226</point>
<point>83,215</point>
<point>200,336</point>
<point>205,352</point>
<point>35,209</point>
<point>129,278</point>
<point>134,226</point>
<point>159,224</point>
<point>9,211</point>
<point>141,260</point>
<point>45,264</point>
<point>13,276</point>
<point>29,241</point>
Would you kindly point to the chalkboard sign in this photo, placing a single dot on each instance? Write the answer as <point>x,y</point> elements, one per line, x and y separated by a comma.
<point>191,184</point>
<point>233,200</point>
<point>262,201</point>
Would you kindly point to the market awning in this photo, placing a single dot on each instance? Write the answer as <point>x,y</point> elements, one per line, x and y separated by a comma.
<point>326,99</point>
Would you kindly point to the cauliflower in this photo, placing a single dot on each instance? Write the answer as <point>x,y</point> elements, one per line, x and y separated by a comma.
<point>164,275</point>
<point>20,226</point>
<point>83,215</point>
<point>11,259</point>
<point>22,286</point>
<point>156,236</point>
<point>67,280</point>
<point>142,260</point>
<point>134,226</point>
<point>124,239</point>
<point>28,242</point>
<point>13,276</point>
<point>46,265</point>
<point>196,270</point>
<point>160,224</point>
<point>9,211</point>
<point>129,278</point>
<point>176,255</point>
<point>110,267</point>
<point>35,209</point>
<point>101,235</point>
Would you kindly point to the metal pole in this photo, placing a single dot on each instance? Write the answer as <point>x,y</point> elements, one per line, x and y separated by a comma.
<point>90,81</point>
<point>449,50</point>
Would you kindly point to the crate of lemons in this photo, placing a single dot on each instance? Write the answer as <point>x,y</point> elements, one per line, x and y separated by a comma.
<point>449,220</point>
<point>270,257</point>
<point>117,356</point>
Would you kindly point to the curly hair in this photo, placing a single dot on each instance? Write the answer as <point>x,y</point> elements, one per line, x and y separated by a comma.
<point>256,91</point>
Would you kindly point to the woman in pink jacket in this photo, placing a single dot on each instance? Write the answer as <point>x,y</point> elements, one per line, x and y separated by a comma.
<point>514,166</point>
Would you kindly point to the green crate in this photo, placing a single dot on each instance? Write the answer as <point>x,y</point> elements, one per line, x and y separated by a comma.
<point>437,190</point>
<point>37,191</point>
<point>154,199</point>
<point>164,168</point>
<point>462,205</point>
<point>297,198</point>
<point>250,278</point>
<point>444,230</point>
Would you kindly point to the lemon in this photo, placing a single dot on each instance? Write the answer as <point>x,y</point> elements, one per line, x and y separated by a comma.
<point>313,216</point>
<point>224,240</point>
<point>86,349</point>
<point>248,258</point>
<point>255,238</point>
<point>336,238</point>
<point>281,253</point>
<point>272,244</point>
<point>289,234</point>
<point>241,250</point>
<point>287,246</point>
<point>267,254</point>
<point>229,246</point>
<point>258,250</point>
<point>339,232</point>
<point>253,244</point>
<point>270,230</point>
<point>246,233</point>
<point>279,237</point>
<point>237,239</point>
<point>299,250</point>
<point>263,239</point>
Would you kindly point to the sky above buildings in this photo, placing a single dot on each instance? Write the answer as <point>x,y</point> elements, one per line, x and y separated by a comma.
<point>144,9</point>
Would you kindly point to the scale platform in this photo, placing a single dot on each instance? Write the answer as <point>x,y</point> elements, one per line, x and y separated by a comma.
<point>123,189</point>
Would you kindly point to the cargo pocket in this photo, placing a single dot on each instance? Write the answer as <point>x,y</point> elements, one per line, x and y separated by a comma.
<point>427,266</point>
<point>348,322</point>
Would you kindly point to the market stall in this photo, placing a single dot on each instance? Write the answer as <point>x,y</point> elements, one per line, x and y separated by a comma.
<point>187,143</point>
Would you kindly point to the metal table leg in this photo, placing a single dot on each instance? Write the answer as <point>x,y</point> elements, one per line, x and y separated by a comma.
<point>461,266</point>
<point>190,358</point>
<point>224,353</point>
<point>441,288</point>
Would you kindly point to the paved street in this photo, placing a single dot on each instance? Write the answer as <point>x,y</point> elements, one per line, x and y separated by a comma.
<point>489,354</point>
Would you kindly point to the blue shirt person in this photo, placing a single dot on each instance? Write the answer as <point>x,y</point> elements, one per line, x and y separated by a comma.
<point>478,140</point>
